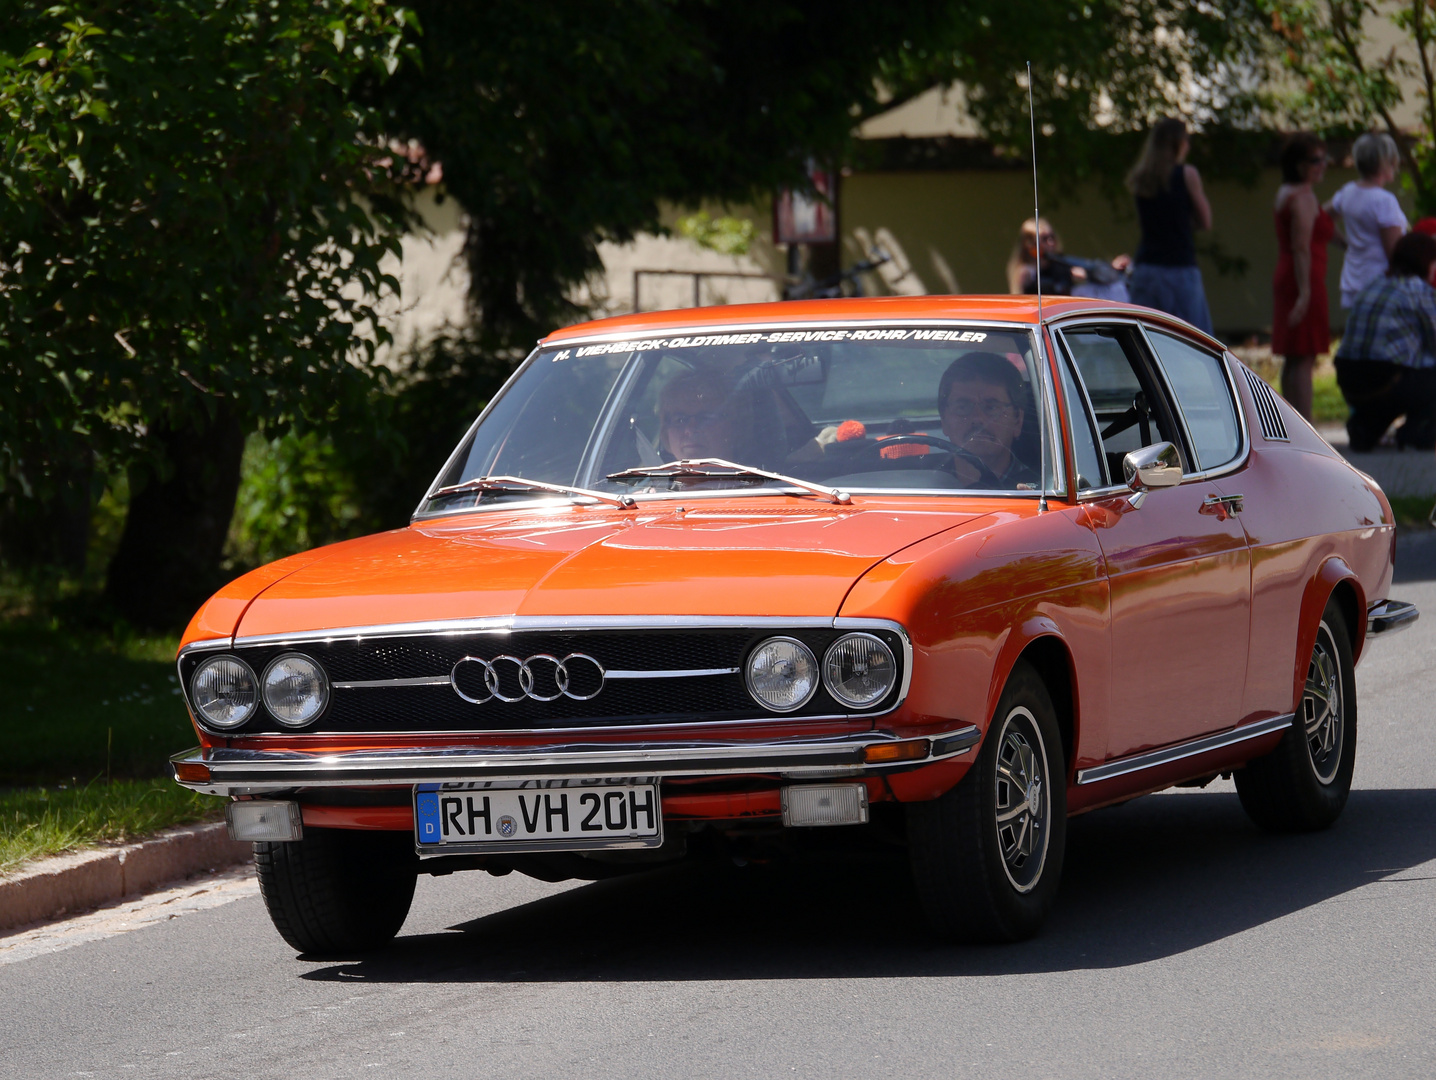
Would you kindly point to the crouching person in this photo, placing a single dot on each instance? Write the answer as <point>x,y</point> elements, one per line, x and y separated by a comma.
<point>1386,365</point>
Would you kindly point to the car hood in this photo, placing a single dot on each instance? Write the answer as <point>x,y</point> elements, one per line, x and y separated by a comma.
<point>720,561</point>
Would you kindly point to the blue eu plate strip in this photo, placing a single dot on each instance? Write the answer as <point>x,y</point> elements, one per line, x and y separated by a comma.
<point>426,813</point>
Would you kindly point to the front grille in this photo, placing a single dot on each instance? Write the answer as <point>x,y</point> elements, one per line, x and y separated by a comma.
<point>438,708</point>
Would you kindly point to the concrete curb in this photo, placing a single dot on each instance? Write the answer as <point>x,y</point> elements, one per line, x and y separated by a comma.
<point>87,879</point>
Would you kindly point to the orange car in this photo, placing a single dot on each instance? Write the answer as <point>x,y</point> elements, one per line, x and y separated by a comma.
<point>697,579</point>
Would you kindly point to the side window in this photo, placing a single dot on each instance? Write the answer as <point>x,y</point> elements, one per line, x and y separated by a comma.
<point>1197,380</point>
<point>1090,469</point>
<point>1131,412</point>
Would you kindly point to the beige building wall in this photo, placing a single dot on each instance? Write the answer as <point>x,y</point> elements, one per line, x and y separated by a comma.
<point>957,229</point>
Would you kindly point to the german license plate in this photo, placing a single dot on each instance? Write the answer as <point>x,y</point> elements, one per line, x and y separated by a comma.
<point>537,815</point>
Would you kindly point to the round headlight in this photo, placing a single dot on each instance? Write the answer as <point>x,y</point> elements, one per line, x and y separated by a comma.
<point>224,691</point>
<point>782,674</point>
<point>295,689</point>
<point>859,670</point>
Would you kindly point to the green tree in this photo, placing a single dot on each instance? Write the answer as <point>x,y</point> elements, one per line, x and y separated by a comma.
<point>1339,81</point>
<point>196,203</point>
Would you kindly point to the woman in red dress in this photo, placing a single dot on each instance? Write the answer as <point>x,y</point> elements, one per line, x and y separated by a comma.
<point>1300,326</point>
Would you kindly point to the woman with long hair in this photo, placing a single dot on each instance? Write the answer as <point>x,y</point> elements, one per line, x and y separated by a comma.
<point>1300,326</point>
<point>1062,274</point>
<point>1170,206</point>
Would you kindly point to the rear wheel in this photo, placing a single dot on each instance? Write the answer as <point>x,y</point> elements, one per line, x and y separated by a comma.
<point>338,890</point>
<point>987,856</point>
<point>1303,784</point>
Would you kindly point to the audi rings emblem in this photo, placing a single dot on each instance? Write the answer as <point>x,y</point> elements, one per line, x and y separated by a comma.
<point>541,677</point>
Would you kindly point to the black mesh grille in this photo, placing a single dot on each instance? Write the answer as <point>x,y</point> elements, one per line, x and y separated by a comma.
<point>620,701</point>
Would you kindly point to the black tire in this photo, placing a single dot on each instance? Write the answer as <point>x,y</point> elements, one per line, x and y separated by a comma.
<point>976,879</point>
<point>1302,785</point>
<point>338,890</point>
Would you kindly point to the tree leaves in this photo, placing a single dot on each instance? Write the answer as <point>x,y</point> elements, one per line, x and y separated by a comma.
<point>196,209</point>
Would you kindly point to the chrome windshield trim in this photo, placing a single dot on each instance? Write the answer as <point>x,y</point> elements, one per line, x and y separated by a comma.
<point>274,770</point>
<point>1167,755</point>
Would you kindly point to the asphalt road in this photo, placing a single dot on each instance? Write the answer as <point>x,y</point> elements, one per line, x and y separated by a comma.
<point>1186,943</point>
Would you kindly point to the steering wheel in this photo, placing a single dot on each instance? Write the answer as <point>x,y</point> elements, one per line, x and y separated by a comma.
<point>985,476</point>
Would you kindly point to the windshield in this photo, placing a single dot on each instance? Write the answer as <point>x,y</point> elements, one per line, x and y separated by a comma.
<point>936,409</point>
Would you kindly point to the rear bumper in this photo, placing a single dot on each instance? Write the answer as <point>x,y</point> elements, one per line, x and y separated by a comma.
<point>222,771</point>
<point>1389,616</point>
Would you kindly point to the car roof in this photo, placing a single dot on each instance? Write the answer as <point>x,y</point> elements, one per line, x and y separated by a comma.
<point>1012,309</point>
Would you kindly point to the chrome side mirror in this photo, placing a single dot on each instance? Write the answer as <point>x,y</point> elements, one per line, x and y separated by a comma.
<point>1155,466</point>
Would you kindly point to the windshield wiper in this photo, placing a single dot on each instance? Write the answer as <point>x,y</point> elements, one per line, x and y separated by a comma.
<point>518,484</point>
<point>707,468</point>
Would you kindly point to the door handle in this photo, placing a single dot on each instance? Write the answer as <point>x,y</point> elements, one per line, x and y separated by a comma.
<point>1217,504</point>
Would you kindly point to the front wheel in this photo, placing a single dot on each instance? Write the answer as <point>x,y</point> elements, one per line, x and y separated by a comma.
<point>1302,785</point>
<point>987,856</point>
<point>338,890</point>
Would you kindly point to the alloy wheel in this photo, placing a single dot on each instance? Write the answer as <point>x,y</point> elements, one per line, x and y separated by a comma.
<point>1323,708</point>
<point>1023,802</point>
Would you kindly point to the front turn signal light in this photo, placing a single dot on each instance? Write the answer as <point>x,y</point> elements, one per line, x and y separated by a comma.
<point>191,772</point>
<point>886,753</point>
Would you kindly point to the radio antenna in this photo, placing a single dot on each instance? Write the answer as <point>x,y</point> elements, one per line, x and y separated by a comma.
<point>1036,212</point>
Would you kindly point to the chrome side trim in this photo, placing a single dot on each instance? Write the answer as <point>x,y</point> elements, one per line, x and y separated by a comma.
<point>275,770</point>
<point>1390,616</point>
<point>1154,758</point>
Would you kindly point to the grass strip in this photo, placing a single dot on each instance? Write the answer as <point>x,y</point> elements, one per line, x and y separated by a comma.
<point>76,706</point>
<point>1327,404</point>
<point>1412,510</point>
<point>35,822</point>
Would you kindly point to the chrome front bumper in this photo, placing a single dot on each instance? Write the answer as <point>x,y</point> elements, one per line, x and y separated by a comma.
<point>220,771</point>
<point>1389,616</point>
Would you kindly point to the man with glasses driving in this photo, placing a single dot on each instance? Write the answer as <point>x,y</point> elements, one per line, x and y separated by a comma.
<point>980,402</point>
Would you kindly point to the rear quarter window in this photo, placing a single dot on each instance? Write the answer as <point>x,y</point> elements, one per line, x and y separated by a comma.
<point>1203,396</point>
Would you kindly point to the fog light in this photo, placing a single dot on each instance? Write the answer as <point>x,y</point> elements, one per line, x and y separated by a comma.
<point>825,804</point>
<point>257,819</point>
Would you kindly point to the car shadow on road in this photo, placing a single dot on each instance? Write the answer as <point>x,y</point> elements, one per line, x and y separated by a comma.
<point>1151,879</point>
